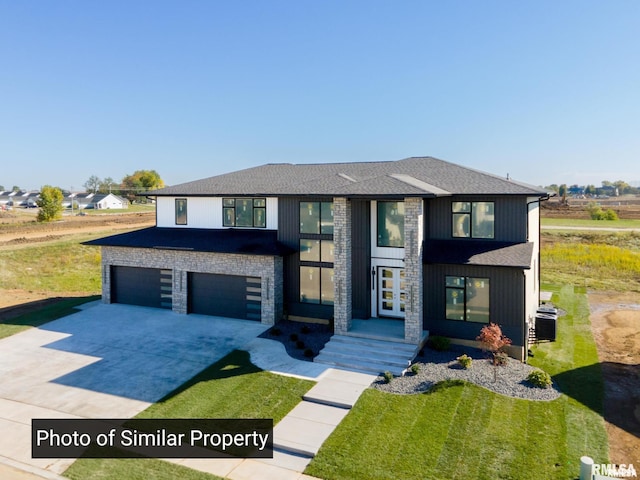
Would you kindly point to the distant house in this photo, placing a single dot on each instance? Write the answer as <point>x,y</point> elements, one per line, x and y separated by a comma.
<point>98,201</point>
<point>420,245</point>
<point>19,199</point>
<point>109,200</point>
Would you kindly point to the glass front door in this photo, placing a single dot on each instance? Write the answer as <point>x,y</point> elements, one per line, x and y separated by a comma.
<point>391,292</point>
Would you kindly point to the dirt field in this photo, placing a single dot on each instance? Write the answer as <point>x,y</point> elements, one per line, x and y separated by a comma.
<point>20,229</point>
<point>615,322</point>
<point>628,209</point>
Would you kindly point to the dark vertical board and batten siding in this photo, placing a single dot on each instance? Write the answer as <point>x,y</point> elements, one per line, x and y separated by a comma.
<point>506,301</point>
<point>361,258</point>
<point>510,217</point>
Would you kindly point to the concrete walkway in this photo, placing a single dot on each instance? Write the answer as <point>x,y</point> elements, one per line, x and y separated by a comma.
<point>113,361</point>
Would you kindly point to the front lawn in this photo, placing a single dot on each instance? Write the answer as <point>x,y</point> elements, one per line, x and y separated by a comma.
<point>463,431</point>
<point>231,388</point>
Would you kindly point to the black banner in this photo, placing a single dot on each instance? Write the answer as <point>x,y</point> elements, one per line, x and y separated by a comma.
<point>155,438</point>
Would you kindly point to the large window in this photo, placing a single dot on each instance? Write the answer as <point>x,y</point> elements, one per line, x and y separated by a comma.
<point>181,211</point>
<point>316,218</point>
<point>316,252</point>
<point>390,224</point>
<point>316,285</point>
<point>244,212</point>
<point>467,299</point>
<point>473,219</point>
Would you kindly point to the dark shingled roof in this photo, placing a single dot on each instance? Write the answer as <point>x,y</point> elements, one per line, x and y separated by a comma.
<point>478,252</point>
<point>253,242</point>
<point>416,176</point>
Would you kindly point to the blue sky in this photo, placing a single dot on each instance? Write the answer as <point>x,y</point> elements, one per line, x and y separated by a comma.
<point>547,91</point>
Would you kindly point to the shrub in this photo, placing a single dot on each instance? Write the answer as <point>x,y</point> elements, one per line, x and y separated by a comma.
<point>465,361</point>
<point>308,353</point>
<point>441,344</point>
<point>300,344</point>
<point>293,337</point>
<point>388,376</point>
<point>275,331</point>
<point>500,359</point>
<point>305,329</point>
<point>539,379</point>
<point>50,203</point>
<point>610,214</point>
<point>415,368</point>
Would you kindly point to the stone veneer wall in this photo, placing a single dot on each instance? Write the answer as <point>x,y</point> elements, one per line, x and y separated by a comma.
<point>413,235</point>
<point>342,265</point>
<point>268,268</point>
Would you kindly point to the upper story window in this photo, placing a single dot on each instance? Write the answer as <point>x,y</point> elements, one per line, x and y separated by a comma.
<point>244,212</point>
<point>181,211</point>
<point>473,219</point>
<point>316,218</point>
<point>390,224</point>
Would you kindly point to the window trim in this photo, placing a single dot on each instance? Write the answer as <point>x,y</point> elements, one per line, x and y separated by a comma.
<point>178,215</point>
<point>464,289</point>
<point>470,215</point>
<point>257,204</point>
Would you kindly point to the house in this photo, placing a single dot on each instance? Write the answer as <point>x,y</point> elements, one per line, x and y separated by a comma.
<point>109,200</point>
<point>416,246</point>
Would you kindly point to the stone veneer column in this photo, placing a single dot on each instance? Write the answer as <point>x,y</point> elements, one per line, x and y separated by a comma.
<point>413,235</point>
<point>342,287</point>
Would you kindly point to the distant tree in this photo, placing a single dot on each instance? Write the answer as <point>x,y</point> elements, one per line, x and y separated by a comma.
<point>50,203</point>
<point>92,184</point>
<point>590,190</point>
<point>622,186</point>
<point>15,188</point>
<point>106,184</point>
<point>1,188</point>
<point>562,191</point>
<point>141,181</point>
<point>607,183</point>
<point>553,187</point>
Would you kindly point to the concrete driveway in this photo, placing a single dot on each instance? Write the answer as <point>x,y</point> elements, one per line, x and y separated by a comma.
<point>107,361</point>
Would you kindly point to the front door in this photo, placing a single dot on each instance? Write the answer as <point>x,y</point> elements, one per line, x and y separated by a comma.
<point>391,292</point>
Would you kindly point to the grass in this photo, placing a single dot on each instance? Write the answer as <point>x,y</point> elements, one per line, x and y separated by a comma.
<point>587,224</point>
<point>598,261</point>
<point>463,431</point>
<point>41,316</point>
<point>138,208</point>
<point>230,388</point>
<point>64,266</point>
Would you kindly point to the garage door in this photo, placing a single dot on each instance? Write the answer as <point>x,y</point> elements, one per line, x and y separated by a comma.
<point>225,295</point>
<point>147,287</point>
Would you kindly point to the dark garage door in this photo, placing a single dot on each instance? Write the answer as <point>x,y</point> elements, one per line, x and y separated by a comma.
<point>224,295</point>
<point>147,287</point>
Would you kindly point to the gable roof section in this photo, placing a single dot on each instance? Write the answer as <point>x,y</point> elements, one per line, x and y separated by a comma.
<point>253,242</point>
<point>416,176</point>
<point>478,252</point>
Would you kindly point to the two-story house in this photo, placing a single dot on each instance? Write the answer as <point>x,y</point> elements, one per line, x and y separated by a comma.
<point>427,245</point>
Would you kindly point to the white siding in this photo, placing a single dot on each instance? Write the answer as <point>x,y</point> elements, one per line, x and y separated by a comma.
<point>205,212</point>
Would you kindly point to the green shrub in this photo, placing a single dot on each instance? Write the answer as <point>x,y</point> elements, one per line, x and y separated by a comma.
<point>308,353</point>
<point>441,344</point>
<point>610,214</point>
<point>305,329</point>
<point>500,359</point>
<point>300,344</point>
<point>275,331</point>
<point>415,368</point>
<point>388,376</point>
<point>539,378</point>
<point>293,337</point>
<point>465,361</point>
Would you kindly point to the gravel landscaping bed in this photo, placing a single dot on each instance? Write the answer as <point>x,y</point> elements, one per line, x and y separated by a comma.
<point>312,335</point>
<point>439,366</point>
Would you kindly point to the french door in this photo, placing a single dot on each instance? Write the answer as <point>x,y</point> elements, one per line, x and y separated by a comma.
<point>391,292</point>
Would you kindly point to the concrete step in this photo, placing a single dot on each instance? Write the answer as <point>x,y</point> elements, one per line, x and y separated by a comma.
<point>386,345</point>
<point>367,355</point>
<point>375,368</point>
<point>364,355</point>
